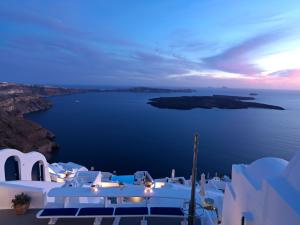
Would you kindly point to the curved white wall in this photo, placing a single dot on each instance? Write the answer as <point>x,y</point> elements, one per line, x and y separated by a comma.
<point>292,172</point>
<point>26,162</point>
<point>265,192</point>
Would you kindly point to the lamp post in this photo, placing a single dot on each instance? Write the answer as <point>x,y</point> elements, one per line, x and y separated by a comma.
<point>191,217</point>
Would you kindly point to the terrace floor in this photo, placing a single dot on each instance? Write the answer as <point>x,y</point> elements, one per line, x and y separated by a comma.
<point>8,217</point>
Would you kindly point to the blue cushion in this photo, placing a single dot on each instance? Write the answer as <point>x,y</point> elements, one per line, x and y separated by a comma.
<point>96,211</point>
<point>59,212</point>
<point>166,211</point>
<point>131,211</point>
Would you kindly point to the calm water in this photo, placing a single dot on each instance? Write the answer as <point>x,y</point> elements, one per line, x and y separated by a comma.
<point>119,131</point>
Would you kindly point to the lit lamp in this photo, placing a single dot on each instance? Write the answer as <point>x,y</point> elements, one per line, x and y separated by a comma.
<point>94,188</point>
<point>148,187</point>
<point>148,190</point>
<point>159,184</point>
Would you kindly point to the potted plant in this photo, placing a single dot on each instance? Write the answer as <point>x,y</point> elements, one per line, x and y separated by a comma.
<point>21,203</point>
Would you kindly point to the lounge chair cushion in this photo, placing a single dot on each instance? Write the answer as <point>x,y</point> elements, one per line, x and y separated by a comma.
<point>96,212</point>
<point>131,211</point>
<point>166,211</point>
<point>59,212</point>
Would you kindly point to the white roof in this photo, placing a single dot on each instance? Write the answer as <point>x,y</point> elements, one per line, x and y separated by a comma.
<point>292,172</point>
<point>268,167</point>
<point>70,166</point>
<point>126,191</point>
<point>87,177</point>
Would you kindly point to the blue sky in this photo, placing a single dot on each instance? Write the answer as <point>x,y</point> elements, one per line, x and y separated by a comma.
<point>253,44</point>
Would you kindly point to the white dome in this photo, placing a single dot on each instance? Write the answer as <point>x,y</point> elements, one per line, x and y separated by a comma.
<point>292,172</point>
<point>268,167</point>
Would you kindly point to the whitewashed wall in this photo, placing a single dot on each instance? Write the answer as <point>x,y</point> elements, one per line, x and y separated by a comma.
<point>26,162</point>
<point>37,190</point>
<point>8,192</point>
<point>273,201</point>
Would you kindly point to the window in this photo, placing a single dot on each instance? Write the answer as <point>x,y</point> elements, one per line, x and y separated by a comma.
<point>12,168</point>
<point>37,172</point>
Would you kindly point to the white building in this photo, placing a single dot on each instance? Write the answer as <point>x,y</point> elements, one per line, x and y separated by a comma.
<point>266,192</point>
<point>24,172</point>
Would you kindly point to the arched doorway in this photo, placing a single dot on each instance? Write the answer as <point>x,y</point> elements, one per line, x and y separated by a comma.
<point>12,168</point>
<point>37,172</point>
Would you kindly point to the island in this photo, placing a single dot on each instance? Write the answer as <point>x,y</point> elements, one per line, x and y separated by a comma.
<point>209,102</point>
<point>150,90</point>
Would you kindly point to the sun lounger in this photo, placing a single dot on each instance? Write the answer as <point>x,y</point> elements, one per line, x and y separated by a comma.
<point>59,212</point>
<point>139,211</point>
<point>96,212</point>
<point>101,212</point>
<point>166,211</point>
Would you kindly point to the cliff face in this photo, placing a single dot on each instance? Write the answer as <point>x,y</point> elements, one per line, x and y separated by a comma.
<point>24,135</point>
<point>17,132</point>
<point>19,105</point>
<point>21,89</point>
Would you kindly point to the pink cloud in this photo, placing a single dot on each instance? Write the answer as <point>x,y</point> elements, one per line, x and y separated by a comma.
<point>285,79</point>
<point>237,59</point>
<point>290,80</point>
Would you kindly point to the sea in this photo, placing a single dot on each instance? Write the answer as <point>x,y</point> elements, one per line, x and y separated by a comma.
<point>119,131</point>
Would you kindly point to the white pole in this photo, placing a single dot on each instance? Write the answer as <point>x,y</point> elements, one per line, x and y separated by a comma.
<point>173,174</point>
<point>203,182</point>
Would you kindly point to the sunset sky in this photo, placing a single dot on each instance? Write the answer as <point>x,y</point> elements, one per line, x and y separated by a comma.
<point>198,43</point>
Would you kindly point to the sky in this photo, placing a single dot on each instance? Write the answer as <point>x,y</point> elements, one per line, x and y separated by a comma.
<point>194,43</point>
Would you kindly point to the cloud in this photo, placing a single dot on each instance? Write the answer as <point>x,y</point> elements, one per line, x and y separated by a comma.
<point>149,57</point>
<point>285,73</point>
<point>50,49</point>
<point>283,79</point>
<point>188,41</point>
<point>209,74</point>
<point>79,57</point>
<point>193,46</point>
<point>237,59</point>
<point>163,65</point>
<point>34,19</point>
<point>59,26</point>
<point>272,17</point>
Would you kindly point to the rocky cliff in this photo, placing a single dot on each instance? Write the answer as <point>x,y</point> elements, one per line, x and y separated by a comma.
<point>22,104</point>
<point>24,135</point>
<point>17,132</point>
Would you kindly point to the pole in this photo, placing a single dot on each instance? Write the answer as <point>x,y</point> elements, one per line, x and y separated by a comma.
<point>191,218</point>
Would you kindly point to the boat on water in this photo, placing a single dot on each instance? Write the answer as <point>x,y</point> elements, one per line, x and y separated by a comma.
<point>266,191</point>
